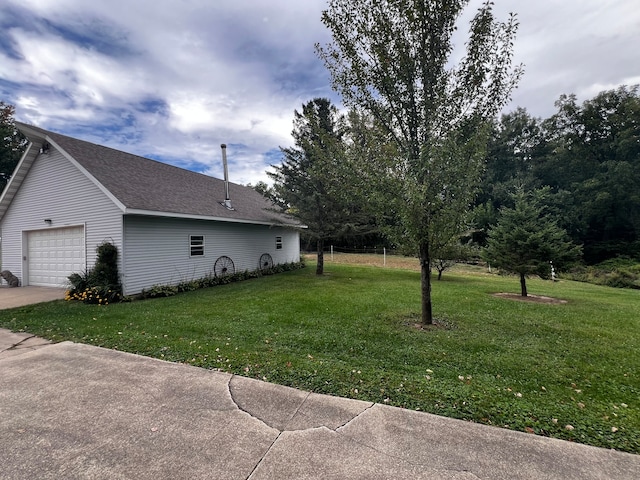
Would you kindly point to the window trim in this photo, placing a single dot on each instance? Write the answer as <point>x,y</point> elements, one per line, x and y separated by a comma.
<point>196,246</point>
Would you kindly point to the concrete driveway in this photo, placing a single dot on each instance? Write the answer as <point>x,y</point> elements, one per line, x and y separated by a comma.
<point>77,411</point>
<point>19,296</point>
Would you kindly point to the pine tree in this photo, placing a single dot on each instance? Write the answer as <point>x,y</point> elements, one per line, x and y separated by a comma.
<point>312,182</point>
<point>12,146</point>
<point>528,241</point>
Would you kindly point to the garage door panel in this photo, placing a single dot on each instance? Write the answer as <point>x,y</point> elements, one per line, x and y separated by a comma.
<point>54,254</point>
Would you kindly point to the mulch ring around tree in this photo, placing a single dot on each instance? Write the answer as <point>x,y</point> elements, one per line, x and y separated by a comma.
<point>530,298</point>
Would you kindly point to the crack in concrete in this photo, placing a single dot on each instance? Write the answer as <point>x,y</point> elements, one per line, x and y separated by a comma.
<point>15,346</point>
<point>264,456</point>
<point>266,453</point>
<point>355,417</point>
<point>401,459</point>
<point>235,402</point>
<point>296,412</point>
<point>340,430</point>
<point>233,398</point>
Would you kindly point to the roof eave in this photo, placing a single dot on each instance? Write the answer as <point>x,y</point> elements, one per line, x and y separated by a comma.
<point>153,213</point>
<point>17,176</point>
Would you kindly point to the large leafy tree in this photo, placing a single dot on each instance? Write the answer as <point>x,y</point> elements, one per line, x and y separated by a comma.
<point>527,240</point>
<point>12,146</point>
<point>370,154</point>
<point>517,146</point>
<point>589,154</point>
<point>515,140</point>
<point>596,156</point>
<point>394,59</point>
<point>312,183</point>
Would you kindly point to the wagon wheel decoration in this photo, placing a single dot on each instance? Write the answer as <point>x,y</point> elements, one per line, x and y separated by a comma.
<point>266,262</point>
<point>224,266</point>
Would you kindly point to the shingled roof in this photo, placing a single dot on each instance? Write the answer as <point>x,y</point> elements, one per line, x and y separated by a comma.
<point>144,186</point>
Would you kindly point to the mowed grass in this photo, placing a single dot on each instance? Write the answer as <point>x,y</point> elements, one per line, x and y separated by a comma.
<point>568,371</point>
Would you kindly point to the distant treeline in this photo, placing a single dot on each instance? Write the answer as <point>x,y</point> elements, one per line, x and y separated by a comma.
<point>587,154</point>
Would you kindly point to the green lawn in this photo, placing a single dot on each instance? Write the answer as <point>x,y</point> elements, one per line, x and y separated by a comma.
<point>569,371</point>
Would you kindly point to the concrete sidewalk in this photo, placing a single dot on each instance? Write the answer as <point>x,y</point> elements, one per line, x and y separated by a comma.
<point>21,296</point>
<point>76,411</point>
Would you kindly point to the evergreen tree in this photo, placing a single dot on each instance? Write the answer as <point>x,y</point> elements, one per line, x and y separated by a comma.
<point>528,241</point>
<point>12,146</point>
<point>313,183</point>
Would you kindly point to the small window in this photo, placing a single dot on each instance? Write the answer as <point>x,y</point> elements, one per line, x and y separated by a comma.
<point>196,245</point>
<point>278,243</point>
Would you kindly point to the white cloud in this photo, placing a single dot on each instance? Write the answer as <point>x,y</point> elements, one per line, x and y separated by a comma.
<point>592,90</point>
<point>175,79</point>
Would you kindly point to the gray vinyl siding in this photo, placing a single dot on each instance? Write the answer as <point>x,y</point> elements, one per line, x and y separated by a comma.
<point>56,189</point>
<point>157,249</point>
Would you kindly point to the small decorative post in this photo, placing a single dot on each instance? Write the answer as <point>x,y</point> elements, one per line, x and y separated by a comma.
<point>553,272</point>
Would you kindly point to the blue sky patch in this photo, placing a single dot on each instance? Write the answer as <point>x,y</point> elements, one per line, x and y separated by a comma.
<point>168,79</point>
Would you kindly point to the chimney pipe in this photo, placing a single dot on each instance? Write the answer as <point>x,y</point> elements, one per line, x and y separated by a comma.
<point>227,200</point>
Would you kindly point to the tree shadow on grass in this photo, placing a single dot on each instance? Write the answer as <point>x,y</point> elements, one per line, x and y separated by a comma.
<point>413,321</point>
<point>531,298</point>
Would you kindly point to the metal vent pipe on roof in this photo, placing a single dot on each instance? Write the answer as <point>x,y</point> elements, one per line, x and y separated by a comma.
<point>227,200</point>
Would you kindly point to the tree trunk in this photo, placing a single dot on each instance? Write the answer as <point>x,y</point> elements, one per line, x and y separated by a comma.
<point>320,263</point>
<point>523,285</point>
<point>425,282</point>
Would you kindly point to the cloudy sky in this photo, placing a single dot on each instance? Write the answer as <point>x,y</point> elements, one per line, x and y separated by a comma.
<point>173,79</point>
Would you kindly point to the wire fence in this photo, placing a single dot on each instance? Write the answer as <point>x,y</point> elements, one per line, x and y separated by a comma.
<point>376,250</point>
<point>383,256</point>
<point>378,255</point>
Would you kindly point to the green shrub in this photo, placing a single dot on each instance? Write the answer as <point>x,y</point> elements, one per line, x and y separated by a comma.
<point>621,272</point>
<point>89,287</point>
<point>160,291</point>
<point>100,285</point>
<point>80,281</point>
<point>189,286</point>
<point>211,281</point>
<point>105,271</point>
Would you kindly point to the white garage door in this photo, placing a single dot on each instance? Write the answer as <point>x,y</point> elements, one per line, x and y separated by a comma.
<point>54,254</point>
